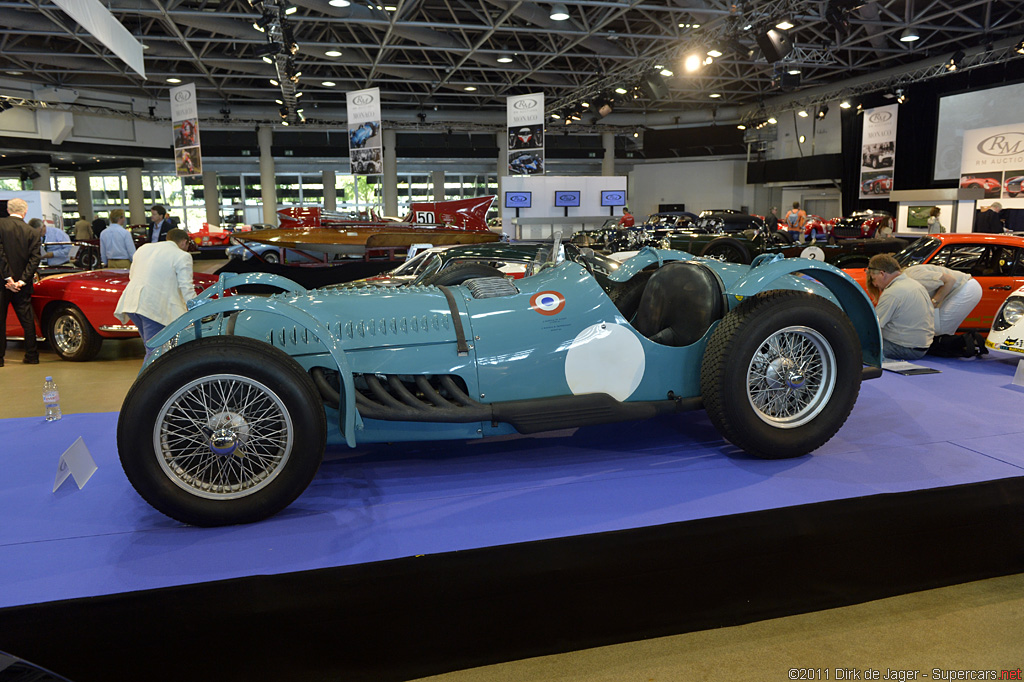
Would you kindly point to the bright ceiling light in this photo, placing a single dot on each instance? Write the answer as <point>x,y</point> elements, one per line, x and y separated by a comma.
<point>666,72</point>
<point>559,12</point>
<point>784,25</point>
<point>621,90</point>
<point>291,10</point>
<point>504,59</point>
<point>802,114</point>
<point>333,53</point>
<point>693,63</point>
<point>909,35</point>
<point>844,105</point>
<point>714,53</point>
<point>715,95</point>
<point>339,3</point>
<point>328,84</point>
<point>795,71</point>
<point>470,88</point>
<point>173,80</point>
<point>772,120</point>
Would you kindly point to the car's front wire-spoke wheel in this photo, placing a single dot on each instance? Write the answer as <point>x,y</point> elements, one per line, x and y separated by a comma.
<point>781,373</point>
<point>222,430</point>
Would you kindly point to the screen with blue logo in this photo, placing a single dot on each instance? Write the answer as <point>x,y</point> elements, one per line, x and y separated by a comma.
<point>567,198</point>
<point>613,197</point>
<point>518,199</point>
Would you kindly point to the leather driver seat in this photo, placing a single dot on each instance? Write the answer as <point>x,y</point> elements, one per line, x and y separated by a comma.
<point>681,300</point>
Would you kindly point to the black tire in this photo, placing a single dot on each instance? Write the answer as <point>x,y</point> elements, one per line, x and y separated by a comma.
<point>271,257</point>
<point>88,258</point>
<point>458,274</point>
<point>802,334</point>
<point>280,431</point>
<point>728,250</point>
<point>71,336</point>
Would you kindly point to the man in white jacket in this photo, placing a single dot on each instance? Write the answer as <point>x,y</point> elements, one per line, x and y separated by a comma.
<point>160,281</point>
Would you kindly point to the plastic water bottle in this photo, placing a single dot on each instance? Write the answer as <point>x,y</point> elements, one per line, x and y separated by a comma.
<point>51,399</point>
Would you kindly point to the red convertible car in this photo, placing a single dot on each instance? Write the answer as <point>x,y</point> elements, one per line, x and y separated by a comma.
<point>863,225</point>
<point>877,185</point>
<point>75,312</point>
<point>995,260</point>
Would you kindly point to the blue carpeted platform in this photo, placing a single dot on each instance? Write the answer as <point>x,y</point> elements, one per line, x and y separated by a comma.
<point>906,433</point>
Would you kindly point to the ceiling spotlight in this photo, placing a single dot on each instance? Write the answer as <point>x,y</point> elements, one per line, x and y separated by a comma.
<point>585,104</point>
<point>556,116</point>
<point>772,120</point>
<point>291,10</point>
<point>823,112</point>
<point>708,60</point>
<point>173,80</point>
<point>909,35</point>
<point>267,59</point>
<point>339,3</point>
<point>328,84</point>
<point>470,88</point>
<point>621,90</point>
<point>844,105</point>
<point>559,12</point>
<point>714,53</point>
<point>504,59</point>
<point>900,97</point>
<point>741,127</point>
<point>802,114</point>
<point>1019,47</point>
<point>954,62</point>
<point>636,133</point>
<point>715,95</point>
<point>332,53</point>
<point>802,138</point>
<point>692,63</point>
<point>274,82</point>
<point>666,73</point>
<point>784,25</point>
<point>794,71</point>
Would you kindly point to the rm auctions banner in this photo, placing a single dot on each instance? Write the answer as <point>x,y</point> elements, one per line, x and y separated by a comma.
<point>878,151</point>
<point>993,159</point>
<point>525,116</point>
<point>188,159</point>
<point>364,139</point>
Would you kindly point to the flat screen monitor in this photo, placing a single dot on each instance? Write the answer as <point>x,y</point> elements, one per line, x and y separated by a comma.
<point>518,199</point>
<point>613,197</point>
<point>567,198</point>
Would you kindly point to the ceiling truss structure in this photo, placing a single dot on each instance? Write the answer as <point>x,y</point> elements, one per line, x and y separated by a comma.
<point>446,59</point>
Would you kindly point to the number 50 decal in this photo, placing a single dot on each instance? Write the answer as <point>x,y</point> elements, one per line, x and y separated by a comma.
<point>425,217</point>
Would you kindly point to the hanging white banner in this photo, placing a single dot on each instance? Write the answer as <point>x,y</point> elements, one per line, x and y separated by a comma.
<point>188,158</point>
<point>878,152</point>
<point>97,20</point>
<point>525,117</point>
<point>993,159</point>
<point>364,136</point>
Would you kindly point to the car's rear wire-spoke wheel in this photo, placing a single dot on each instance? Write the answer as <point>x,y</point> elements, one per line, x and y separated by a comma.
<point>791,377</point>
<point>781,373</point>
<point>222,430</point>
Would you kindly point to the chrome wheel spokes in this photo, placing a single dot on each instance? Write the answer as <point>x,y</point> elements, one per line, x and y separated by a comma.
<point>791,376</point>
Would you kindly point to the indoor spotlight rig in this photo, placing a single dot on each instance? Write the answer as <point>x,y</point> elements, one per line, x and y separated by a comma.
<point>280,49</point>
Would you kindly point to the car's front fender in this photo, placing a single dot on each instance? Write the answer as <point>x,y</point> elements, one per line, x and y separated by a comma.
<point>349,418</point>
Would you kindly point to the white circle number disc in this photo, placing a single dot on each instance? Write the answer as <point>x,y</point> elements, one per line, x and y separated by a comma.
<point>605,358</point>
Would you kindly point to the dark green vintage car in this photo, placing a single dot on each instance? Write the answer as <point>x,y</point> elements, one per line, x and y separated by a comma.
<point>736,238</point>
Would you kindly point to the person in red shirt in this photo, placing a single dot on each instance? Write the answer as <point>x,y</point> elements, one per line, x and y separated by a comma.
<point>627,219</point>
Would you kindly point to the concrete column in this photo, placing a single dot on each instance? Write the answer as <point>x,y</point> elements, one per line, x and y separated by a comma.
<point>502,156</point>
<point>211,197</point>
<point>437,179</point>
<point>608,163</point>
<point>45,180</point>
<point>265,135</point>
<point>137,213</point>
<point>83,193</point>
<point>390,178</point>
<point>330,181</point>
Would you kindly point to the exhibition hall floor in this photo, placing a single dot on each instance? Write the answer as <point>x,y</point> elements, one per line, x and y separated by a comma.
<point>373,509</point>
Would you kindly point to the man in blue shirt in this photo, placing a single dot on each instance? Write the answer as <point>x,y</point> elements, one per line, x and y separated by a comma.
<point>116,244</point>
<point>56,243</point>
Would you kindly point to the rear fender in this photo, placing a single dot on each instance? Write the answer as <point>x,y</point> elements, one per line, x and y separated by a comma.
<point>349,419</point>
<point>765,275</point>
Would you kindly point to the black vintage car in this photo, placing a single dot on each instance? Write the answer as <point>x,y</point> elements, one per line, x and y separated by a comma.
<point>736,238</point>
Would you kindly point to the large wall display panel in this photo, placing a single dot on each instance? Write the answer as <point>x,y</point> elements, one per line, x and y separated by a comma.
<point>878,152</point>
<point>993,161</point>
<point>969,111</point>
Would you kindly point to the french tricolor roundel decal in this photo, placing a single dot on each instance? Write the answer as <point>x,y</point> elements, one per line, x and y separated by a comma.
<point>547,302</point>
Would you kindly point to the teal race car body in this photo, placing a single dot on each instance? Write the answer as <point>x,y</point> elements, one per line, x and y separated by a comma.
<point>228,421</point>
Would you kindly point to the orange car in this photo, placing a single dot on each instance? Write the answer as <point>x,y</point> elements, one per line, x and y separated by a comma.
<point>995,260</point>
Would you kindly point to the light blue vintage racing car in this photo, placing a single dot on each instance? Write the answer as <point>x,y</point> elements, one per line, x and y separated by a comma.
<point>229,420</point>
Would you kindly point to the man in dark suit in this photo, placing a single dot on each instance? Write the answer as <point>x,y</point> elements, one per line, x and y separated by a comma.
<point>19,258</point>
<point>160,223</point>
